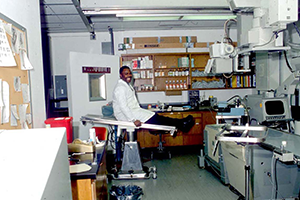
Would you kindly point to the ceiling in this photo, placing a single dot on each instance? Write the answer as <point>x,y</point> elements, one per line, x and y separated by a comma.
<point>67,16</point>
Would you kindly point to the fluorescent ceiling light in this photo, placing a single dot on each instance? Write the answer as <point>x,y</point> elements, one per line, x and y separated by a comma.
<point>208,17</point>
<point>183,18</point>
<point>150,18</point>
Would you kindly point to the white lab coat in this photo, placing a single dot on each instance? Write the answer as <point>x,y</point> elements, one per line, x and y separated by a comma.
<point>126,106</point>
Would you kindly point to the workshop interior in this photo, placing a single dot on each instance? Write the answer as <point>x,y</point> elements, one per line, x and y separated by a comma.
<point>233,65</point>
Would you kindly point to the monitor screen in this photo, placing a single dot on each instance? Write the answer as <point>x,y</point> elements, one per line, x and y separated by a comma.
<point>274,107</point>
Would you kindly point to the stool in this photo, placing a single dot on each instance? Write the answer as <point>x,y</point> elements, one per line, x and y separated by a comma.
<point>160,148</point>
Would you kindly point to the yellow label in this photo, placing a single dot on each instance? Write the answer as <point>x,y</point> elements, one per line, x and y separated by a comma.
<point>260,105</point>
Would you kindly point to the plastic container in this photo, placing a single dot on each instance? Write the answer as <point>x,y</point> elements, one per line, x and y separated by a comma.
<point>129,192</point>
<point>66,122</point>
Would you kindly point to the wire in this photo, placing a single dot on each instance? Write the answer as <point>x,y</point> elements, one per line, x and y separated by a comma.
<point>296,27</point>
<point>212,115</point>
<point>228,76</point>
<point>271,40</point>
<point>275,178</point>
<point>287,62</point>
<point>225,29</point>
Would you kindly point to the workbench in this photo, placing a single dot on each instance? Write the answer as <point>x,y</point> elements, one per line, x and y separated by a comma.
<point>92,184</point>
<point>193,137</point>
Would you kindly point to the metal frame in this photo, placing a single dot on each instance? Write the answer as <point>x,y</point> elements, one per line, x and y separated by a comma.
<point>131,164</point>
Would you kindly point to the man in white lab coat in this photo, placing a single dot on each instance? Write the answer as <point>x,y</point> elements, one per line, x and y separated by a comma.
<point>127,108</point>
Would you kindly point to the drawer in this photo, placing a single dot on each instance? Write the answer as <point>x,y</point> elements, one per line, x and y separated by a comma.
<point>176,115</point>
<point>194,114</point>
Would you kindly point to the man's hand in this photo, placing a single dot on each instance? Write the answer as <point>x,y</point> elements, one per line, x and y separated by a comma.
<point>137,123</point>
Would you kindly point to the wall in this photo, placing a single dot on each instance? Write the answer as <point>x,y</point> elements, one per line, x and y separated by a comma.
<point>27,14</point>
<point>62,44</point>
<point>78,89</point>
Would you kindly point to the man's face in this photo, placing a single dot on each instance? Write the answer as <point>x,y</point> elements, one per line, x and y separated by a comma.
<point>126,75</point>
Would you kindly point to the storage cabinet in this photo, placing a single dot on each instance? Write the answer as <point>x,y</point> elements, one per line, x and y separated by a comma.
<point>180,71</point>
<point>193,137</point>
<point>91,185</point>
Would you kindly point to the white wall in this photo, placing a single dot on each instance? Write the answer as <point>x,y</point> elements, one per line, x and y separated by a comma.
<point>62,44</point>
<point>27,14</point>
<point>78,89</point>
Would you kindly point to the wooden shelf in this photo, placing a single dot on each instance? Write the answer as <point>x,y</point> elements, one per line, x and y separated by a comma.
<point>142,69</point>
<point>171,76</point>
<point>168,68</point>
<point>169,61</point>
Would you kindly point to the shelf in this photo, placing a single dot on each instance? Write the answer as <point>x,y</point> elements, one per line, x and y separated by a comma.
<point>143,69</point>
<point>171,76</point>
<point>169,62</point>
<point>168,68</point>
<point>143,78</point>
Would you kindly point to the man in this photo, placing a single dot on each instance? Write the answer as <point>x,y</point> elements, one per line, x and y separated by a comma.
<point>127,108</point>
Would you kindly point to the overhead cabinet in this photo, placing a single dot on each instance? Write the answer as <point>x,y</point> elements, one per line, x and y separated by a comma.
<point>180,71</point>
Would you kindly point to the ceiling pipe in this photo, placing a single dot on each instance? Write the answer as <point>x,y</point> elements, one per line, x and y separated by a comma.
<point>86,20</point>
<point>110,30</point>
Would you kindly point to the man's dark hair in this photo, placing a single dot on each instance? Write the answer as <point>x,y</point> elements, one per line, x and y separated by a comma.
<point>122,69</point>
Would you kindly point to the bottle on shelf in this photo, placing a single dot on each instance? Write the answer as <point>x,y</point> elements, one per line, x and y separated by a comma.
<point>174,85</point>
<point>177,85</point>
<point>184,85</point>
<point>170,85</point>
<point>167,85</point>
<point>176,72</point>
<point>160,73</point>
<point>187,72</point>
<point>181,84</point>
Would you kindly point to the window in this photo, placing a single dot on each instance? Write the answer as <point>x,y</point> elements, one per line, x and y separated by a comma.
<point>97,87</point>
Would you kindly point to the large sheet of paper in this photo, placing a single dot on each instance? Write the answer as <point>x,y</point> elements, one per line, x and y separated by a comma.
<point>14,115</point>
<point>22,115</point>
<point>6,56</point>
<point>4,102</point>
<point>25,93</point>
<point>17,83</point>
<point>25,63</point>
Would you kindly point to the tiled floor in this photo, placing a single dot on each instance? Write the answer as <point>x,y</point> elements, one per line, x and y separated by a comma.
<point>180,178</point>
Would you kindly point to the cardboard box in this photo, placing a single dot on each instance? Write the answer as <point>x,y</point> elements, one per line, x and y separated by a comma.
<point>157,45</point>
<point>140,40</point>
<point>201,45</point>
<point>175,39</point>
<point>180,39</point>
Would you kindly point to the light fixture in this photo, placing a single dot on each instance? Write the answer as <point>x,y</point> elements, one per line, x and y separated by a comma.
<point>151,18</point>
<point>182,17</point>
<point>208,17</point>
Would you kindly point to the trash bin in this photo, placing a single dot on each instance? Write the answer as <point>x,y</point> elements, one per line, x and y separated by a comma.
<point>121,192</point>
<point>101,133</point>
<point>66,122</point>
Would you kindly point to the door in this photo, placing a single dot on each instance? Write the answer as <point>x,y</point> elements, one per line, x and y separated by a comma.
<point>79,100</point>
